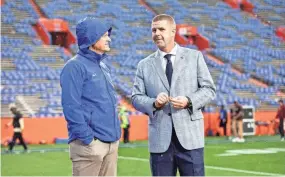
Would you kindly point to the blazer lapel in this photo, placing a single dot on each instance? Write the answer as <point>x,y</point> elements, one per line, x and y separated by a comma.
<point>178,66</point>
<point>159,70</point>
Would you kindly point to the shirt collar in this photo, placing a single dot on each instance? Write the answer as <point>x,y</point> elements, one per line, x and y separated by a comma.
<point>172,52</point>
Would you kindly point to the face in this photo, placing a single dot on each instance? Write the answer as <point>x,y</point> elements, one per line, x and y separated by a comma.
<point>102,45</point>
<point>163,34</point>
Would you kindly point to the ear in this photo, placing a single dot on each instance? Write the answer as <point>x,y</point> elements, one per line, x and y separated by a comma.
<point>173,31</point>
<point>92,46</point>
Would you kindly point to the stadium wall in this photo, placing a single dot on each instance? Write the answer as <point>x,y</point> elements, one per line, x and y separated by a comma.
<point>48,129</point>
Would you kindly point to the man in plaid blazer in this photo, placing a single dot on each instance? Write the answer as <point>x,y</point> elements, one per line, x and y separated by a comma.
<point>171,87</point>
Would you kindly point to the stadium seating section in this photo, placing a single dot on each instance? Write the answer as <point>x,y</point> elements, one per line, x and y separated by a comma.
<point>248,50</point>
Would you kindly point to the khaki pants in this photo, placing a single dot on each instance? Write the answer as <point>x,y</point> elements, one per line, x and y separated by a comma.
<point>237,124</point>
<point>95,159</point>
<point>240,128</point>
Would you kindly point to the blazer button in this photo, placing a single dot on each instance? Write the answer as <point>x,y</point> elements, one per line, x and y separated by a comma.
<point>169,114</point>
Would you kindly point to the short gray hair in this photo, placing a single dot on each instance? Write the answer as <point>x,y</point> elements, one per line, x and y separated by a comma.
<point>166,17</point>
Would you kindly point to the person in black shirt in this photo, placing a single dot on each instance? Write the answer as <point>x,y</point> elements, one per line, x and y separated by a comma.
<point>223,119</point>
<point>18,124</point>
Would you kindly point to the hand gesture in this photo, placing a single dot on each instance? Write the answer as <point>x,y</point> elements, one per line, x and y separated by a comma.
<point>179,102</point>
<point>161,100</point>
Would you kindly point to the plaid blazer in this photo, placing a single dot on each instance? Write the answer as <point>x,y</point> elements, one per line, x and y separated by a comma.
<point>191,78</point>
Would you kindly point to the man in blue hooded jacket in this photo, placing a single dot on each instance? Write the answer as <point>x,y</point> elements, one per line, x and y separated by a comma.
<point>89,103</point>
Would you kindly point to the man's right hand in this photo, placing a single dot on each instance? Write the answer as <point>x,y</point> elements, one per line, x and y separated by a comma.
<point>161,100</point>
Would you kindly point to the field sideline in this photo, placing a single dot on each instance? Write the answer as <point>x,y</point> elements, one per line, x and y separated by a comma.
<point>259,156</point>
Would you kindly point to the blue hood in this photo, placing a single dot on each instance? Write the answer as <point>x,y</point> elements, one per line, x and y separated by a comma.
<point>89,30</point>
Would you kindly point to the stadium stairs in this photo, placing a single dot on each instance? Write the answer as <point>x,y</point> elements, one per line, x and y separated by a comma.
<point>31,70</point>
<point>252,88</point>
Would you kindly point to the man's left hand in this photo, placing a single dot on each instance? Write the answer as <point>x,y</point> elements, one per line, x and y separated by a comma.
<point>179,102</point>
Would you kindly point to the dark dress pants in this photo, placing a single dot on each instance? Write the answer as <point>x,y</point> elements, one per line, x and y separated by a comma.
<point>187,162</point>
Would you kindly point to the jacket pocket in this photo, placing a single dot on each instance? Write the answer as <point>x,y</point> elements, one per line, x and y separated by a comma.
<point>197,115</point>
<point>155,114</point>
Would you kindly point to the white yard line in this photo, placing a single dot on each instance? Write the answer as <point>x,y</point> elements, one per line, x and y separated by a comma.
<point>244,171</point>
<point>212,167</point>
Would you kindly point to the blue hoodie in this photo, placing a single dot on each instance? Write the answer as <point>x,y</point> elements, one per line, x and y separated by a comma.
<point>88,95</point>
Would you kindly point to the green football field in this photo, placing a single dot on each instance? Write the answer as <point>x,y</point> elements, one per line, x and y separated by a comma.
<point>259,156</point>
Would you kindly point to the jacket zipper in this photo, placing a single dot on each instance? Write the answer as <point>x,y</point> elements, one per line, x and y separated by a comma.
<point>106,82</point>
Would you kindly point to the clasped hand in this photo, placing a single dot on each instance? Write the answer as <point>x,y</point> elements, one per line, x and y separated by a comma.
<point>179,102</point>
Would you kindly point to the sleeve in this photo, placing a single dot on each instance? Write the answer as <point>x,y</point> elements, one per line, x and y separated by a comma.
<point>280,113</point>
<point>139,99</point>
<point>207,90</point>
<point>71,81</point>
<point>283,110</point>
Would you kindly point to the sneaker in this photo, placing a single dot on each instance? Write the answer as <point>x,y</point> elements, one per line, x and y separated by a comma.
<point>282,139</point>
<point>241,140</point>
<point>26,151</point>
<point>236,139</point>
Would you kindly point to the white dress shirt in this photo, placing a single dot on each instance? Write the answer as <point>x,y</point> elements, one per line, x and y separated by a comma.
<point>164,60</point>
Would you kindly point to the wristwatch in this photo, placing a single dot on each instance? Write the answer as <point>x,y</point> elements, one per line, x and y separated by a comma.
<point>189,106</point>
<point>154,107</point>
